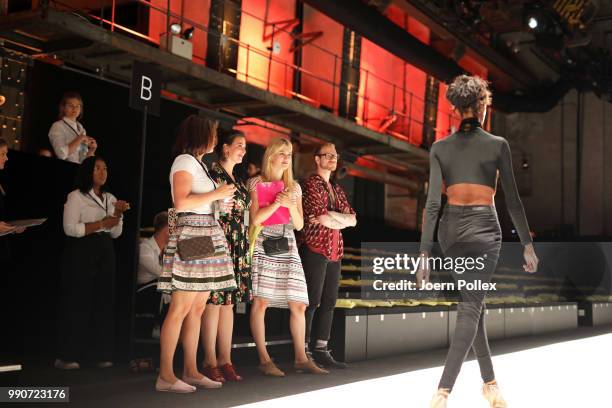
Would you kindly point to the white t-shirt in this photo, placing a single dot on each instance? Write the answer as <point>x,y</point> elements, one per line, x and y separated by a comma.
<point>200,184</point>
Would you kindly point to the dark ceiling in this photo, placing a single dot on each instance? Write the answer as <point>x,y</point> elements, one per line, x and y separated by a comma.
<point>534,48</point>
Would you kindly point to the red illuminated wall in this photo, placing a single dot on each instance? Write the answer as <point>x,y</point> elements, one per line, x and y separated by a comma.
<point>387,83</point>
<point>447,121</point>
<point>385,88</point>
<point>254,64</point>
<point>262,132</point>
<point>318,63</point>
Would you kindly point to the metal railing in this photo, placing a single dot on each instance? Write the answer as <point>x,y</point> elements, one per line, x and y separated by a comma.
<point>262,68</point>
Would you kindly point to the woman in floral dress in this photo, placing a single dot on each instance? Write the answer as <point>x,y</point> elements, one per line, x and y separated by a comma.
<point>218,319</point>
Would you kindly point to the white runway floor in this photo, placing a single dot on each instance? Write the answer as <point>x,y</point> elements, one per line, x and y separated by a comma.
<point>569,374</point>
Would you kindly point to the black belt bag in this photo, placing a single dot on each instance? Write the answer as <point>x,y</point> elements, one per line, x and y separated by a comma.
<point>276,245</point>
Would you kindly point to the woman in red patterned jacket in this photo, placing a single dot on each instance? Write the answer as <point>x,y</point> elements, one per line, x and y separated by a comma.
<point>326,213</point>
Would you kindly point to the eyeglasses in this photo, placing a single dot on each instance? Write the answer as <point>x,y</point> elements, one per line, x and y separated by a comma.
<point>329,156</point>
<point>284,155</point>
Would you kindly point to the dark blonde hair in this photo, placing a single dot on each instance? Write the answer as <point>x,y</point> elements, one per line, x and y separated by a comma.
<point>3,142</point>
<point>64,100</point>
<point>469,93</point>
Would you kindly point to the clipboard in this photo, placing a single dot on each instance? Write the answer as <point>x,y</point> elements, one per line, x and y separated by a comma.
<point>34,222</point>
<point>266,194</point>
<point>23,223</point>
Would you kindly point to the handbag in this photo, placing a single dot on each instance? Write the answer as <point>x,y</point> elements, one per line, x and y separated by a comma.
<point>195,248</point>
<point>276,245</point>
<point>191,249</point>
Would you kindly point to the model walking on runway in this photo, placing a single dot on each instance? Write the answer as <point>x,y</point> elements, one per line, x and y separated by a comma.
<point>468,162</point>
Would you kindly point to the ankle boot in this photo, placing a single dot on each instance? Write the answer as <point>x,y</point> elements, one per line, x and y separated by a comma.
<point>322,356</point>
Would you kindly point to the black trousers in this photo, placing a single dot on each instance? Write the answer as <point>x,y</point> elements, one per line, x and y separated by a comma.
<point>322,280</point>
<point>470,231</point>
<point>87,320</point>
<point>148,311</point>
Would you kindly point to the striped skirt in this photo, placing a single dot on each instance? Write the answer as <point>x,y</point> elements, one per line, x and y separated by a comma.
<point>213,273</point>
<point>279,279</point>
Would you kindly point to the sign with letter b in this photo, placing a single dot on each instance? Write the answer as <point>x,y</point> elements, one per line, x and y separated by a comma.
<point>146,88</point>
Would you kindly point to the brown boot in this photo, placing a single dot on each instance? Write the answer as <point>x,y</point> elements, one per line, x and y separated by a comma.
<point>309,366</point>
<point>269,368</point>
<point>492,394</point>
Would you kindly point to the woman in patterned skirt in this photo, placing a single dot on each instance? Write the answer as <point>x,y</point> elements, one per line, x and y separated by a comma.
<point>218,317</point>
<point>278,280</point>
<point>190,281</point>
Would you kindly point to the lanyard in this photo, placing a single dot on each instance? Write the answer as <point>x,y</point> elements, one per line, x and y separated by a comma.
<point>71,128</point>
<point>235,181</point>
<point>105,208</point>
<point>206,171</point>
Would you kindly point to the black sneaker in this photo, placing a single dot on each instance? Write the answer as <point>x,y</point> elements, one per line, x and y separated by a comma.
<point>324,358</point>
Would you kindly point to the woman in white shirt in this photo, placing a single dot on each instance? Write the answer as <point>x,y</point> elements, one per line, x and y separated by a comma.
<point>190,281</point>
<point>68,136</point>
<point>92,218</point>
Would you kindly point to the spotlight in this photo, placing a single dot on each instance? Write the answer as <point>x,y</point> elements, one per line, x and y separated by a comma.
<point>175,28</point>
<point>536,19</point>
<point>188,33</point>
<point>532,23</point>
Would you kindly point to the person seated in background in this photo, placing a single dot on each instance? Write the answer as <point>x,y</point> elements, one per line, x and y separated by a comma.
<point>149,266</point>
<point>149,302</point>
<point>253,170</point>
<point>67,135</point>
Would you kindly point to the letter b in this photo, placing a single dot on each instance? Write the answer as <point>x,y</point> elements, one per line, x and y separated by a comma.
<point>145,88</point>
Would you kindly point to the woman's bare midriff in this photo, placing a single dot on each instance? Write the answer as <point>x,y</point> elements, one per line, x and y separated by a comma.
<point>470,194</point>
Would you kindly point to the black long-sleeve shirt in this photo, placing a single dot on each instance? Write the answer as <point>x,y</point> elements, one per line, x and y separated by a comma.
<point>471,155</point>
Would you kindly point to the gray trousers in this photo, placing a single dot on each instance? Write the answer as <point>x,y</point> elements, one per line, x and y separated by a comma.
<point>470,231</point>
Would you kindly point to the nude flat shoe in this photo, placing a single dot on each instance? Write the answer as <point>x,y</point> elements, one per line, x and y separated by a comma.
<point>493,395</point>
<point>439,399</point>
<point>203,382</point>
<point>178,387</point>
<point>269,368</point>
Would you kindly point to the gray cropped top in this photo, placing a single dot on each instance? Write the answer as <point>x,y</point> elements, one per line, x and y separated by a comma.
<point>471,155</point>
